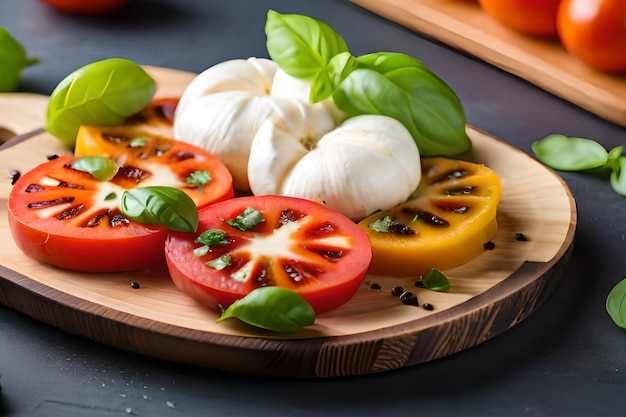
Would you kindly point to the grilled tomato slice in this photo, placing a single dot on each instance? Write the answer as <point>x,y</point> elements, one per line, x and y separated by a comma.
<point>256,241</point>
<point>68,218</point>
<point>446,224</point>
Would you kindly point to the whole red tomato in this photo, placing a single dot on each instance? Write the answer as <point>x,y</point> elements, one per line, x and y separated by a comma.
<point>86,7</point>
<point>595,32</point>
<point>533,17</point>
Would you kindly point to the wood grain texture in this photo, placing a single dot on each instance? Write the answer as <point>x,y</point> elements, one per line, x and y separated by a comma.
<point>463,25</point>
<point>373,332</point>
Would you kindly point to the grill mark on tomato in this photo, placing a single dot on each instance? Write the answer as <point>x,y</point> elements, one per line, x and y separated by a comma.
<point>454,174</point>
<point>50,203</point>
<point>34,188</point>
<point>426,217</point>
<point>182,156</point>
<point>322,230</point>
<point>288,216</point>
<point>71,212</point>
<point>464,190</point>
<point>131,173</point>
<point>330,255</point>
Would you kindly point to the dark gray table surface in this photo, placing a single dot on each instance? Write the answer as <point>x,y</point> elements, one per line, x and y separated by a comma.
<point>567,359</point>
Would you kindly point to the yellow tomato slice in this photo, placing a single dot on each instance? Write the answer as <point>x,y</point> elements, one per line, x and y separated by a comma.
<point>446,225</point>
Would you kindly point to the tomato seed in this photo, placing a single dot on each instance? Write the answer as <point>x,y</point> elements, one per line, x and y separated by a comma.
<point>521,237</point>
<point>15,175</point>
<point>408,298</point>
<point>428,306</point>
<point>489,245</point>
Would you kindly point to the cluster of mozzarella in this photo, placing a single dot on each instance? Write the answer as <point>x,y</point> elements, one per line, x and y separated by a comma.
<point>259,121</point>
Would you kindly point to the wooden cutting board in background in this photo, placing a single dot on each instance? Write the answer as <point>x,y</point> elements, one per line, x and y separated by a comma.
<point>463,25</point>
<point>373,332</point>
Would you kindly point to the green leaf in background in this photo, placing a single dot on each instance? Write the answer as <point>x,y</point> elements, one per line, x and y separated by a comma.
<point>272,308</point>
<point>165,206</point>
<point>102,93</point>
<point>399,86</point>
<point>618,175</point>
<point>13,60</point>
<point>616,304</point>
<point>99,167</point>
<point>566,153</point>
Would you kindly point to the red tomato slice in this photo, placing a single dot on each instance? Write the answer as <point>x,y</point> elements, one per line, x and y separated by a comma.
<point>69,219</point>
<point>300,245</point>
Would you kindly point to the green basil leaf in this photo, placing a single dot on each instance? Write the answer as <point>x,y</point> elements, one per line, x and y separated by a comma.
<point>102,93</point>
<point>101,168</point>
<point>302,46</point>
<point>272,308</point>
<point>199,178</point>
<point>616,304</point>
<point>618,177</point>
<point>219,263</point>
<point>565,153</point>
<point>165,206</point>
<point>435,280</point>
<point>213,237</point>
<point>246,220</point>
<point>613,158</point>
<point>402,87</point>
<point>13,60</point>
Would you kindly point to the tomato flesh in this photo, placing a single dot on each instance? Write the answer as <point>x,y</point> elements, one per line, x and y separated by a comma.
<point>69,219</point>
<point>532,17</point>
<point>300,245</point>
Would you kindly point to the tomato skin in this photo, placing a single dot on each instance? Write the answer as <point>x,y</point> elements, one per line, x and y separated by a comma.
<point>333,282</point>
<point>532,17</point>
<point>594,31</point>
<point>86,7</point>
<point>136,246</point>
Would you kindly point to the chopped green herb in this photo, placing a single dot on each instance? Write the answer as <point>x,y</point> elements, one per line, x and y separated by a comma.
<point>138,142</point>
<point>219,263</point>
<point>246,220</point>
<point>381,225</point>
<point>199,178</point>
<point>212,237</point>
<point>110,196</point>
<point>101,168</point>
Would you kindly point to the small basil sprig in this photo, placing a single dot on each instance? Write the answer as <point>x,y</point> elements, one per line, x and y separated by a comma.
<point>565,153</point>
<point>616,304</point>
<point>13,60</point>
<point>391,84</point>
<point>99,167</point>
<point>101,93</point>
<point>166,206</point>
<point>272,308</point>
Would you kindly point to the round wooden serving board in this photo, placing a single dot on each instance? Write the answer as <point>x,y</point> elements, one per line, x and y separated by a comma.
<point>373,332</point>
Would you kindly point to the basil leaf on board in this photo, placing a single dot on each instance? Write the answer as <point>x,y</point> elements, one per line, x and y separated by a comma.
<point>102,93</point>
<point>566,153</point>
<point>272,308</point>
<point>616,304</point>
<point>401,87</point>
<point>165,206</point>
<point>435,280</point>
<point>13,60</point>
<point>99,167</point>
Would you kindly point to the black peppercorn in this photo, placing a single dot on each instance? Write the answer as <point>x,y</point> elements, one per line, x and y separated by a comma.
<point>134,284</point>
<point>408,298</point>
<point>489,245</point>
<point>375,286</point>
<point>428,306</point>
<point>521,237</point>
<point>397,290</point>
